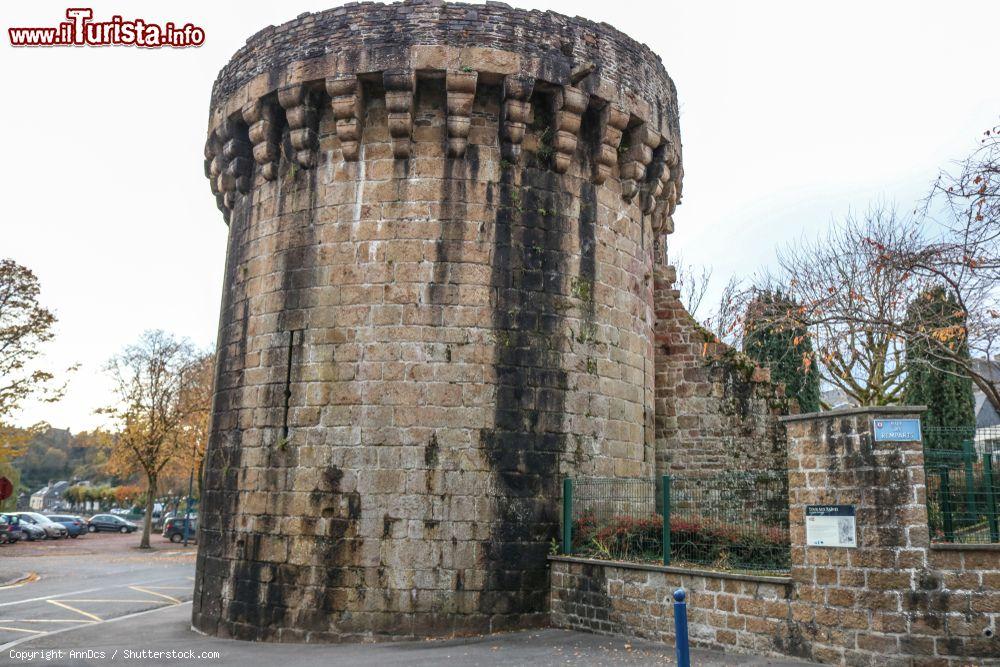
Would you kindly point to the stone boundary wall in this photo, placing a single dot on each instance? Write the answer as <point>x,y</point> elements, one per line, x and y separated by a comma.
<point>730,612</point>
<point>894,595</point>
<point>894,600</point>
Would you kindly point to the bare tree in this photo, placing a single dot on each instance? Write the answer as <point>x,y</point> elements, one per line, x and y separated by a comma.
<point>153,412</point>
<point>853,301</point>
<point>961,253</point>
<point>196,402</point>
<point>693,283</point>
<point>727,319</point>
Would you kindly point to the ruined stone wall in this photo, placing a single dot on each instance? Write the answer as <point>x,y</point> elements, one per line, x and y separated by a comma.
<point>438,302</point>
<point>715,409</point>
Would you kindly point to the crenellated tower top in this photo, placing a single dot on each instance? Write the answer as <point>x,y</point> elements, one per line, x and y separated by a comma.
<point>569,69</point>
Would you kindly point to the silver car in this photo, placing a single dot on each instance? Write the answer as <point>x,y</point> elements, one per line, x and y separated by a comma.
<point>52,529</point>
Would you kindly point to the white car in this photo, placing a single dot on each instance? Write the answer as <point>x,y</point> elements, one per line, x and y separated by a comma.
<point>52,529</point>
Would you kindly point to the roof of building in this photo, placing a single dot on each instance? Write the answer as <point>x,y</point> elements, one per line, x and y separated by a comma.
<point>53,489</point>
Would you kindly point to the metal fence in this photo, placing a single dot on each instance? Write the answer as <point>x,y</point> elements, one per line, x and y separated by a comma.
<point>963,490</point>
<point>733,521</point>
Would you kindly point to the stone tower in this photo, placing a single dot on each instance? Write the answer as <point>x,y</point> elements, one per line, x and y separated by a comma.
<point>443,225</point>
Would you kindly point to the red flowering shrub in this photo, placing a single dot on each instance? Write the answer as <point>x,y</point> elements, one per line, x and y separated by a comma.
<point>692,539</point>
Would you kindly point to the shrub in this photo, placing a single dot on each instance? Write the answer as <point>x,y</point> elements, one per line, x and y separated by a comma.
<point>692,539</point>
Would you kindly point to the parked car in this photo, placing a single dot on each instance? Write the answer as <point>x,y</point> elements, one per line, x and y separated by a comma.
<point>16,530</point>
<point>9,532</point>
<point>173,529</point>
<point>74,524</point>
<point>30,531</point>
<point>52,529</point>
<point>110,522</point>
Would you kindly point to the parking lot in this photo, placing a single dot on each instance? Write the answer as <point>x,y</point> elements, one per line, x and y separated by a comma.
<point>54,586</point>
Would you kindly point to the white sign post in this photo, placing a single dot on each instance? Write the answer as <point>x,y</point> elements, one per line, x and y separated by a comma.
<point>831,526</point>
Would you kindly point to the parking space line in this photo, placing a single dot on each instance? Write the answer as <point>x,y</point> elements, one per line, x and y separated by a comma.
<point>45,620</point>
<point>149,592</point>
<point>79,611</point>
<point>18,642</point>
<point>46,597</point>
<point>107,600</point>
<point>81,592</point>
<point>30,632</point>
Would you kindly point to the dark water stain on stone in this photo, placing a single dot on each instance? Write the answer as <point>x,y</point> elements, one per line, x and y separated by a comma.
<point>523,447</point>
<point>587,237</point>
<point>224,452</point>
<point>431,451</point>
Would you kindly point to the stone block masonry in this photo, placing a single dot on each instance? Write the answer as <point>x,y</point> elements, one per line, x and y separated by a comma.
<point>715,409</point>
<point>732,612</point>
<point>896,599</point>
<point>438,301</point>
<point>896,596</point>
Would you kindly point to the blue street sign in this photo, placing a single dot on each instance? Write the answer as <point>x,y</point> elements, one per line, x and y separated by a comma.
<point>896,430</point>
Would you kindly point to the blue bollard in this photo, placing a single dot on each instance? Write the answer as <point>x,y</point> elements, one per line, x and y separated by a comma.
<point>681,629</point>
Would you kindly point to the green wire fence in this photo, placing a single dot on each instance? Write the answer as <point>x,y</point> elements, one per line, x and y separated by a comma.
<point>962,467</point>
<point>733,521</point>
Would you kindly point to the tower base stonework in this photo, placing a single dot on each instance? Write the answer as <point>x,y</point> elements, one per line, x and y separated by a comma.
<point>438,302</point>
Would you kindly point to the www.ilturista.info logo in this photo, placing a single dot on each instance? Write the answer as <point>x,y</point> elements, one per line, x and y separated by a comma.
<point>81,30</point>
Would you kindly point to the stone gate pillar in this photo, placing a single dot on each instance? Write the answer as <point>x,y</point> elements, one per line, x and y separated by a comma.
<point>851,604</point>
<point>437,302</point>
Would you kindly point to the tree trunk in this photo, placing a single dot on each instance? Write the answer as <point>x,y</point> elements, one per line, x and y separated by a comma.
<point>147,521</point>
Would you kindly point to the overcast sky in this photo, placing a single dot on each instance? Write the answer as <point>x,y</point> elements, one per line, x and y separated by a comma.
<point>792,114</point>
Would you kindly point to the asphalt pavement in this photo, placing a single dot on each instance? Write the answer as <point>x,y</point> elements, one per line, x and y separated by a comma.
<point>68,584</point>
<point>100,601</point>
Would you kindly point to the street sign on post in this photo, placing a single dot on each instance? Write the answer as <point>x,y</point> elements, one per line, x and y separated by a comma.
<point>6,488</point>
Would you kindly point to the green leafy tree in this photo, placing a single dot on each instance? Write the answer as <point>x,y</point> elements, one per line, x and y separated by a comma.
<point>777,339</point>
<point>75,495</point>
<point>934,319</point>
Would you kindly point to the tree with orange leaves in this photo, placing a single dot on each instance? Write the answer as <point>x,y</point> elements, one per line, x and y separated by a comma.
<point>154,410</point>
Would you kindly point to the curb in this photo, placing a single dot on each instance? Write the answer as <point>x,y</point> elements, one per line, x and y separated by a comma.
<point>20,579</point>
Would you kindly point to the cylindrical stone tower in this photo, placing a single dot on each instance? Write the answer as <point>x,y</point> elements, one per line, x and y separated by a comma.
<point>443,220</point>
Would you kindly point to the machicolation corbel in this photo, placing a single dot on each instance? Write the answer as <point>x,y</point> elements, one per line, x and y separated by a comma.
<point>303,120</point>
<point>262,115</point>
<point>399,87</point>
<point>347,106</point>
<point>461,87</point>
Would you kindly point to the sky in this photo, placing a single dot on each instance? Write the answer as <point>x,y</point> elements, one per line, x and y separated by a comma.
<point>792,115</point>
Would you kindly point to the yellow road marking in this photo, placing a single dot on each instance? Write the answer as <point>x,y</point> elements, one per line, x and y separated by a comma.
<point>78,611</point>
<point>149,592</point>
<point>30,632</point>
